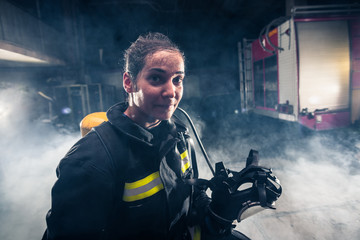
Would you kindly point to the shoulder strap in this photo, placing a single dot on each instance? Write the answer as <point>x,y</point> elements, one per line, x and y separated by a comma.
<point>115,147</point>
<point>191,149</point>
<point>111,139</point>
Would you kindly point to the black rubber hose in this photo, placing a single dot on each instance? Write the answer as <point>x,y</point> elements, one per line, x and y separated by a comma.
<point>198,140</point>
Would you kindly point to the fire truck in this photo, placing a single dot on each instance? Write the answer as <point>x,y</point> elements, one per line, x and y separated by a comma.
<point>305,67</point>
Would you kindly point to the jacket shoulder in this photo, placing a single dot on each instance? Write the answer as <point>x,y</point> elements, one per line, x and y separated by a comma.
<point>113,140</point>
<point>84,148</point>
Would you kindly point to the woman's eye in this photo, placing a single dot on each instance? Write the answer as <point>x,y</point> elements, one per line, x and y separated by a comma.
<point>177,80</point>
<point>155,79</point>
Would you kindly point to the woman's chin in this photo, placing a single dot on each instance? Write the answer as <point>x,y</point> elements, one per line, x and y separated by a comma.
<point>164,114</point>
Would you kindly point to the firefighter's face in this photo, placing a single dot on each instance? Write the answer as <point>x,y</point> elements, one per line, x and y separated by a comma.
<point>158,88</point>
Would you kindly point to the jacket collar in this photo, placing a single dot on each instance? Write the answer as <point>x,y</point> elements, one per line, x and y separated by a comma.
<point>117,118</point>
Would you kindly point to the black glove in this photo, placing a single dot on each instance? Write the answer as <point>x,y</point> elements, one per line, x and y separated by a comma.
<point>230,201</point>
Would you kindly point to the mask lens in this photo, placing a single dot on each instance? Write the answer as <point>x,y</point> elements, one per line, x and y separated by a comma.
<point>250,210</point>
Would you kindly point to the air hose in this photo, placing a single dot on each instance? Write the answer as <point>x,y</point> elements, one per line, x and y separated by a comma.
<point>198,140</point>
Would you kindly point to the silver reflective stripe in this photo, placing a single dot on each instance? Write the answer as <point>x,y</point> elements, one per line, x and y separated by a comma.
<point>143,188</point>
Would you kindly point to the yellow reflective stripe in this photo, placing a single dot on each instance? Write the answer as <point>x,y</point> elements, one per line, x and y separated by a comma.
<point>144,195</point>
<point>184,155</point>
<point>185,163</point>
<point>185,167</point>
<point>143,181</point>
<point>197,233</point>
<point>143,188</point>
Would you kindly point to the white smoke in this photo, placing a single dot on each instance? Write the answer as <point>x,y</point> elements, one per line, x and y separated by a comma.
<point>30,152</point>
<point>319,173</point>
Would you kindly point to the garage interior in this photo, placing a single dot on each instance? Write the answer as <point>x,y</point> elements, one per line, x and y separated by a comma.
<point>61,60</point>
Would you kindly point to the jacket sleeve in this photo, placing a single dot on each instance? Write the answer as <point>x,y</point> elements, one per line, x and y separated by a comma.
<point>83,194</point>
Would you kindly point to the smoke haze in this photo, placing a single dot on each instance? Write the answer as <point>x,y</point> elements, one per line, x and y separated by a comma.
<point>319,172</point>
<point>30,152</point>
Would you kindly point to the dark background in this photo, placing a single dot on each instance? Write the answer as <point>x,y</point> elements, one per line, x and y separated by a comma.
<point>319,171</point>
<point>89,38</point>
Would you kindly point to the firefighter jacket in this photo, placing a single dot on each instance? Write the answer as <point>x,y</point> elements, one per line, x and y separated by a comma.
<point>122,181</point>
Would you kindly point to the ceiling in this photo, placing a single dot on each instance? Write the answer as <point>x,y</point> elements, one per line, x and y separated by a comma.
<point>207,31</point>
<point>199,27</point>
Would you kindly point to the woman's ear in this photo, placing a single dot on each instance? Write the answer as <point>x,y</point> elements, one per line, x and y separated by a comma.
<point>127,83</point>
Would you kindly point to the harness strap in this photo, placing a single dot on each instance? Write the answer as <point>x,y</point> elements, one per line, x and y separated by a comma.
<point>110,139</point>
<point>261,186</point>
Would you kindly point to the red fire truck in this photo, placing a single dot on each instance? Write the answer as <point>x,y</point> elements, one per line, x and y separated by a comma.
<point>305,68</point>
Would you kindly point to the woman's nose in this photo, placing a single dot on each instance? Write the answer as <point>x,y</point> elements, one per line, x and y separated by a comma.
<point>169,90</point>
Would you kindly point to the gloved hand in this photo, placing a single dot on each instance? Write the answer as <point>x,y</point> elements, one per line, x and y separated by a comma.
<point>226,205</point>
<point>230,201</point>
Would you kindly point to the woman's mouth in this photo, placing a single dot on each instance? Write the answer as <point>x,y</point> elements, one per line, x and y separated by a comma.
<point>165,107</point>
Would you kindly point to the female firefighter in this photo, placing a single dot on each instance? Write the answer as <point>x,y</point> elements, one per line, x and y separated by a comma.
<point>126,179</point>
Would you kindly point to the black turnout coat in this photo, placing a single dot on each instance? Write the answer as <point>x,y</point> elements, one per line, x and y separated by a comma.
<point>122,181</point>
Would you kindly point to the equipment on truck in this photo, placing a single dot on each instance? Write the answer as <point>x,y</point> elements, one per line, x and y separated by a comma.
<point>305,67</point>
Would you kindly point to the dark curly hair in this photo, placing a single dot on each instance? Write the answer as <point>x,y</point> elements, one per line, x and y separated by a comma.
<point>135,55</point>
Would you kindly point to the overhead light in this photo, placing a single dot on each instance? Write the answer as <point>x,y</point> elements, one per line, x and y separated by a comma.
<point>16,54</point>
<point>17,57</point>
